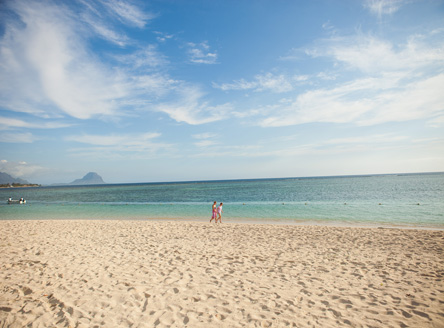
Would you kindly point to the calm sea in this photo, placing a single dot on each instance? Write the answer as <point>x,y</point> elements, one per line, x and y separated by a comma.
<point>408,200</point>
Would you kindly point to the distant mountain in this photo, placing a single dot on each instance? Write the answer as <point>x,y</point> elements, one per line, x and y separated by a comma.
<point>89,179</point>
<point>6,178</point>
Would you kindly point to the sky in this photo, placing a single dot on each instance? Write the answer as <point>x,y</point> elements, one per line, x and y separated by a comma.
<point>185,90</point>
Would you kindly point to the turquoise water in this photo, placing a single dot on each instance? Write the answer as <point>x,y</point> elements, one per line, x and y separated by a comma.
<point>412,200</point>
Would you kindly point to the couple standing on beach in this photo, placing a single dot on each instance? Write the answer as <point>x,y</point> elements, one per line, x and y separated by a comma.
<point>217,212</point>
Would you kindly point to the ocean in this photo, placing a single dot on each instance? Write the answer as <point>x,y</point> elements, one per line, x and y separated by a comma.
<point>396,200</point>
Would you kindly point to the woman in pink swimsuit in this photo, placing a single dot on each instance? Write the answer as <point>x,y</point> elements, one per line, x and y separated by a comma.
<point>214,216</point>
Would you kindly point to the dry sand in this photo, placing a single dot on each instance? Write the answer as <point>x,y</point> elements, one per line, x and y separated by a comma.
<point>191,274</point>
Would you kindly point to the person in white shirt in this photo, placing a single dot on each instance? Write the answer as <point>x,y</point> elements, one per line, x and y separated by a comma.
<point>219,213</point>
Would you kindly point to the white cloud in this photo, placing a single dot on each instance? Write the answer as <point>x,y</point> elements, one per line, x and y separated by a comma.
<point>265,82</point>
<point>148,57</point>
<point>236,85</point>
<point>417,100</point>
<point>49,70</point>
<point>326,76</point>
<point>17,137</point>
<point>113,140</point>
<point>288,147</point>
<point>102,15</point>
<point>8,123</point>
<point>191,109</point>
<point>206,135</point>
<point>205,139</point>
<point>369,54</point>
<point>364,102</point>
<point>205,143</point>
<point>104,31</point>
<point>139,143</point>
<point>384,7</point>
<point>369,139</point>
<point>20,169</point>
<point>127,13</point>
<point>200,53</point>
<point>436,122</point>
<point>274,83</point>
<point>162,37</point>
<point>386,83</point>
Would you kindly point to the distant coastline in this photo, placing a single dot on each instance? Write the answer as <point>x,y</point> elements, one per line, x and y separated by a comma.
<point>19,185</point>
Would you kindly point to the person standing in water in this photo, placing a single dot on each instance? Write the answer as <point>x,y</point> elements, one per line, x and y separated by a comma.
<point>214,210</point>
<point>219,213</point>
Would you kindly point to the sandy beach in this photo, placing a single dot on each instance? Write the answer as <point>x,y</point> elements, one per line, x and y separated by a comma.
<point>194,274</point>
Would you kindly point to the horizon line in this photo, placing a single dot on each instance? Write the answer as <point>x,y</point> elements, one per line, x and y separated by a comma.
<point>245,179</point>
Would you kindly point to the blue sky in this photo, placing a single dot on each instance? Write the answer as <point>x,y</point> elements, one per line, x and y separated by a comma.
<point>177,90</point>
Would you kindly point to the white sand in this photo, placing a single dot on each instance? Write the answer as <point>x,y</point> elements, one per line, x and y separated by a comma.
<point>185,274</point>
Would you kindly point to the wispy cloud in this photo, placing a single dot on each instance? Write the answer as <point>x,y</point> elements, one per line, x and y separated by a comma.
<point>368,139</point>
<point>146,58</point>
<point>106,32</point>
<point>437,121</point>
<point>206,135</point>
<point>19,169</point>
<point>119,143</point>
<point>205,139</point>
<point>101,16</point>
<point>162,37</point>
<point>49,69</point>
<point>384,7</point>
<point>191,107</point>
<point>363,102</point>
<point>17,137</point>
<point>12,129</point>
<point>265,82</point>
<point>200,53</point>
<point>8,123</point>
<point>386,83</point>
<point>288,147</point>
<point>370,54</point>
<point>128,13</point>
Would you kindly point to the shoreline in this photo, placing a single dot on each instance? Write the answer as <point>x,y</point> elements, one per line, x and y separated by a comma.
<point>145,273</point>
<point>266,222</point>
